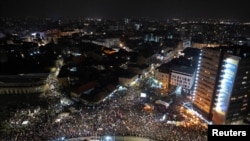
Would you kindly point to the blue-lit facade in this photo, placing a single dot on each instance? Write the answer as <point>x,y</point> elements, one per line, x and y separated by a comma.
<point>222,85</point>
<point>232,98</point>
<point>229,70</point>
<point>225,87</point>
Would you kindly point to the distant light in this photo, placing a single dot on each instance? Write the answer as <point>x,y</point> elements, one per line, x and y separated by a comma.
<point>163,118</point>
<point>76,54</point>
<point>22,55</point>
<point>73,69</point>
<point>25,122</point>
<point>108,138</point>
<point>143,95</point>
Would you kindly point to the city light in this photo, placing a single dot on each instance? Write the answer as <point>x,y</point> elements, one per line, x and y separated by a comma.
<point>226,84</point>
<point>107,80</point>
<point>108,138</point>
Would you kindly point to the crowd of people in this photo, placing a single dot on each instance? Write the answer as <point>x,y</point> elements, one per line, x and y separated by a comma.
<point>122,114</point>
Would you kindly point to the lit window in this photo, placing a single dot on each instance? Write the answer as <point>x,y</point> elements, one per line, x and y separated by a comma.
<point>243,109</point>
<point>233,98</point>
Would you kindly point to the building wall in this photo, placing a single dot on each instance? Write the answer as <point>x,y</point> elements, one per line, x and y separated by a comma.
<point>24,90</point>
<point>232,95</point>
<point>24,84</point>
<point>107,42</point>
<point>163,77</point>
<point>222,88</point>
<point>206,80</point>
<point>127,81</point>
<point>186,81</point>
<point>204,45</point>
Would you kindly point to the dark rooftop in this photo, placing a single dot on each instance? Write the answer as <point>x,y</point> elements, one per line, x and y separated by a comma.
<point>185,69</point>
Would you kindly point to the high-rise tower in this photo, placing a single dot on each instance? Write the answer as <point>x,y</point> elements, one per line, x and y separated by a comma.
<point>222,88</point>
<point>206,80</point>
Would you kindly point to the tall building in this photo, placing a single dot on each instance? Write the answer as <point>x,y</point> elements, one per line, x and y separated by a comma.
<point>206,81</point>
<point>222,88</point>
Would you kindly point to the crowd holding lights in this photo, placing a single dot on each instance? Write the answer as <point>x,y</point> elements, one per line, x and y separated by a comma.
<point>122,114</point>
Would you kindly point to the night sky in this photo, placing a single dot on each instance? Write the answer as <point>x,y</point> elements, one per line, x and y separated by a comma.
<point>233,9</point>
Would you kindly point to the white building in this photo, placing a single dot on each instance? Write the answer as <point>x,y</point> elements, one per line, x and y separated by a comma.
<point>184,77</point>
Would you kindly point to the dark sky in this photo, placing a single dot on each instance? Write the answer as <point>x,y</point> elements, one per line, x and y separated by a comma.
<point>236,9</point>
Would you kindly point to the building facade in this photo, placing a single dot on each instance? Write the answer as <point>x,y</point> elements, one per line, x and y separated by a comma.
<point>183,77</point>
<point>222,87</point>
<point>163,77</point>
<point>162,74</point>
<point>26,84</point>
<point>206,80</point>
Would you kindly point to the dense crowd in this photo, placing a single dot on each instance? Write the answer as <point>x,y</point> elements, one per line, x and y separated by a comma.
<point>120,115</point>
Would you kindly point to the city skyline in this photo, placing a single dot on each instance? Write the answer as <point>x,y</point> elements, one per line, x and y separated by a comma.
<point>113,8</point>
<point>136,77</point>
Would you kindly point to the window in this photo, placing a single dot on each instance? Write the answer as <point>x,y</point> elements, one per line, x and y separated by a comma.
<point>244,105</point>
<point>240,97</point>
<point>233,98</point>
<point>243,109</point>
